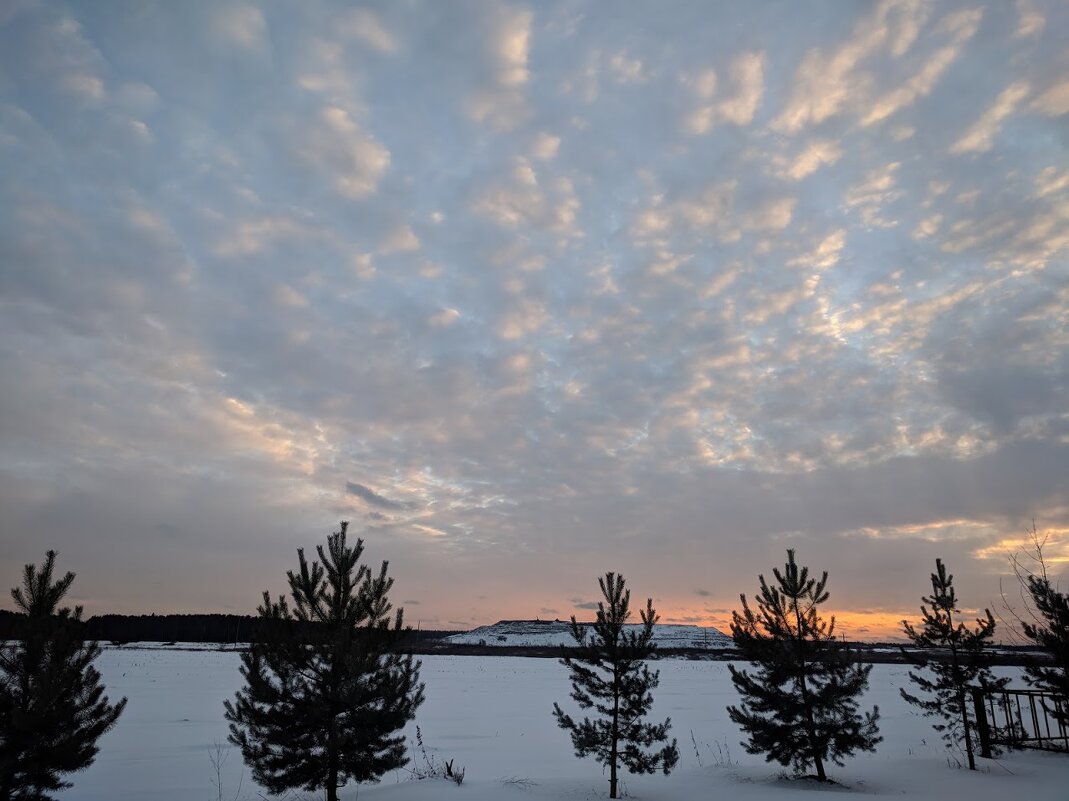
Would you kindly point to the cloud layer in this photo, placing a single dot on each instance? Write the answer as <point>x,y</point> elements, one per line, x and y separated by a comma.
<point>530,292</point>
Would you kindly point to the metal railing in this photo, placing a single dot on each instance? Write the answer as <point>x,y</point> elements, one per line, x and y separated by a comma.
<point>1020,719</point>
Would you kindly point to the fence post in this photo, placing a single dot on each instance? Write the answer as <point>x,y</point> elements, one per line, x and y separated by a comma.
<point>982,727</point>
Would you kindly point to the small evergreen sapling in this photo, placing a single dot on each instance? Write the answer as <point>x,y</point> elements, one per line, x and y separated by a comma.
<point>800,698</point>
<point>1045,624</point>
<point>52,703</point>
<point>325,697</point>
<point>1051,633</point>
<point>609,675</point>
<point>945,683</point>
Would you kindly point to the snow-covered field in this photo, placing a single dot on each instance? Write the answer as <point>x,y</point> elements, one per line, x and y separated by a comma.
<point>492,715</point>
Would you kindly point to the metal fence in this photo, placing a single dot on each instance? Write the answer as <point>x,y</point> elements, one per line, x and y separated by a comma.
<point>1020,719</point>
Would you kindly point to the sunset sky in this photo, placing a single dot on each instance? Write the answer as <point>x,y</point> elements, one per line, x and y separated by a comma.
<point>529,292</point>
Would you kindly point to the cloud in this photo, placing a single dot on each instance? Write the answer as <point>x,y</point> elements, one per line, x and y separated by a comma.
<point>57,51</point>
<point>545,146</point>
<point>443,318</point>
<point>337,146</point>
<point>980,136</point>
<point>825,82</point>
<point>1049,181</point>
<point>372,497</point>
<point>137,96</point>
<point>401,239</point>
<point>818,153</point>
<point>254,237</point>
<point>1001,396</point>
<point>928,226</point>
<point>747,80</point>
<point>326,70</point>
<point>85,86</point>
<point>524,198</point>
<point>627,70</point>
<point>363,25</point>
<point>747,74</point>
<point>500,103</point>
<point>285,295</point>
<point>511,46</point>
<point>1054,101</point>
<point>430,531</point>
<point>774,215</point>
<point>709,209</point>
<point>961,26</point>
<point>870,196</point>
<point>825,255</point>
<point>526,317</point>
<point>481,268</point>
<point>1029,21</point>
<point>242,24</point>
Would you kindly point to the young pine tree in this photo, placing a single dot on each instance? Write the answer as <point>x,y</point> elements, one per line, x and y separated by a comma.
<point>800,702</point>
<point>324,695</point>
<point>945,683</point>
<point>1045,624</point>
<point>52,703</point>
<point>610,676</point>
<point>1051,633</point>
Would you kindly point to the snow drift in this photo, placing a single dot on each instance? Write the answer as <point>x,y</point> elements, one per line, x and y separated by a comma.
<point>549,633</point>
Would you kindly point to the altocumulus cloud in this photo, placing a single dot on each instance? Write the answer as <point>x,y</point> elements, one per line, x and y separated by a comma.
<point>533,289</point>
<point>372,497</point>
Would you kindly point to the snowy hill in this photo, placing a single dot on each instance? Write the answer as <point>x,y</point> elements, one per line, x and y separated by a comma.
<point>548,633</point>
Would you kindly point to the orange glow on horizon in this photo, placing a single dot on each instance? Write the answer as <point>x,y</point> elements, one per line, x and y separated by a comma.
<point>864,626</point>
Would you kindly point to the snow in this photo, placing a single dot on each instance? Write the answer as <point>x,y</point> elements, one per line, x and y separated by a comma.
<point>554,633</point>
<point>492,716</point>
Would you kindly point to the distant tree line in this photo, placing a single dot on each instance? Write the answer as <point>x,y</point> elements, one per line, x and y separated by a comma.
<point>207,628</point>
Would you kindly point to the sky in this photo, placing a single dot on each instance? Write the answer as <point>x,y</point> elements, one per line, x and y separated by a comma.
<point>528,292</point>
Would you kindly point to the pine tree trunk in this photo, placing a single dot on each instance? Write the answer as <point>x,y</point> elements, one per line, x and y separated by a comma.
<point>811,730</point>
<point>821,775</point>
<point>615,734</point>
<point>811,726</point>
<point>965,723</point>
<point>332,762</point>
<point>961,695</point>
